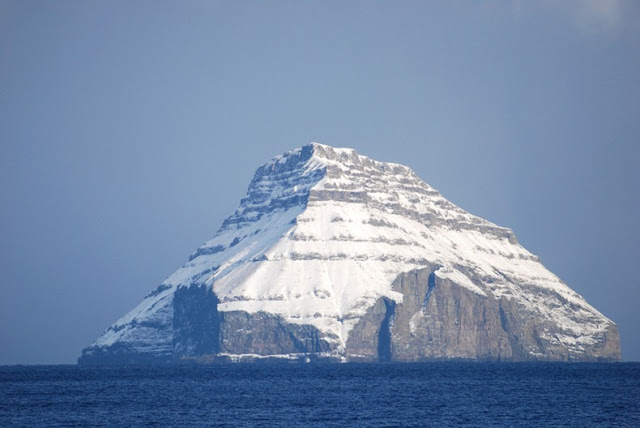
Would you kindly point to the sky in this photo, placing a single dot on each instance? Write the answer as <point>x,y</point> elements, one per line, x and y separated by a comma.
<point>130,130</point>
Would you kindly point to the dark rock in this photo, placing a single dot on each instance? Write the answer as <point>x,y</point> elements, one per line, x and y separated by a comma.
<point>265,334</point>
<point>196,321</point>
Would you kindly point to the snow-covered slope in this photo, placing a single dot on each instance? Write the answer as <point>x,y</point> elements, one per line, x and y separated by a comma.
<point>321,236</point>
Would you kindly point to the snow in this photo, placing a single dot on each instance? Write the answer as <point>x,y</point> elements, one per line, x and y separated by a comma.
<point>459,278</point>
<point>154,310</point>
<point>320,239</point>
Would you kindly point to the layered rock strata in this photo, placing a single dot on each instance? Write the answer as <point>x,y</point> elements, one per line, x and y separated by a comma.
<point>334,255</point>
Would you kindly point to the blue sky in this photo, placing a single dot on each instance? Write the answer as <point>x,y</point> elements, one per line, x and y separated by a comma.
<point>130,130</point>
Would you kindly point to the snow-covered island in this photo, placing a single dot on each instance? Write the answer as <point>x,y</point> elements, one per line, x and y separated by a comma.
<point>332,255</point>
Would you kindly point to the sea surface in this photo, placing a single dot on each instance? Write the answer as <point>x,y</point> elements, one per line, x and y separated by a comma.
<point>339,395</point>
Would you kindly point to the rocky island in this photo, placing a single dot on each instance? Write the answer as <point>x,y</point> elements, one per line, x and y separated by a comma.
<point>335,256</point>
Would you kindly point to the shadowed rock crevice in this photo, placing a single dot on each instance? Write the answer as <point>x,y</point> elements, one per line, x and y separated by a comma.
<point>431,284</point>
<point>384,334</point>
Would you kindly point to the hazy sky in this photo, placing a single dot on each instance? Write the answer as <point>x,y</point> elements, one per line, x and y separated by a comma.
<point>130,130</point>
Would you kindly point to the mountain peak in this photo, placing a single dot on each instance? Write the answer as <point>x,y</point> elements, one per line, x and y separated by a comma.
<point>329,245</point>
<point>327,155</point>
<point>324,151</point>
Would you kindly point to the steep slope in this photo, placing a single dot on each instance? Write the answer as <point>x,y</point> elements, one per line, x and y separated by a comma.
<point>333,254</point>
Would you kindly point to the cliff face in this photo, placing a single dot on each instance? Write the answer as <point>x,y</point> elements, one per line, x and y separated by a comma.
<point>334,255</point>
<point>440,320</point>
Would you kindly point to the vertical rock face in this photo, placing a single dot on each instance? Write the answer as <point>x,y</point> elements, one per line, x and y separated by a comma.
<point>334,255</point>
<point>196,321</point>
<point>438,319</point>
<point>264,334</point>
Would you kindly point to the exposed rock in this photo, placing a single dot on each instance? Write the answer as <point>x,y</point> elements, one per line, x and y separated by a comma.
<point>264,334</point>
<point>196,321</point>
<point>441,320</point>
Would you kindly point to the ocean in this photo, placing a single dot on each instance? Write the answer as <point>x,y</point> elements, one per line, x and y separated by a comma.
<point>461,394</point>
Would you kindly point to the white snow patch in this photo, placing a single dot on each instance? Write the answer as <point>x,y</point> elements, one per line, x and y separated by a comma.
<point>459,278</point>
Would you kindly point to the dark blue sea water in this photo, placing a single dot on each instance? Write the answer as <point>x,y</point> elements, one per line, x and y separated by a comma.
<point>341,395</point>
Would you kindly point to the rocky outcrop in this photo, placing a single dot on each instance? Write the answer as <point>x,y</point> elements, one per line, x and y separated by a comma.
<point>265,334</point>
<point>439,319</point>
